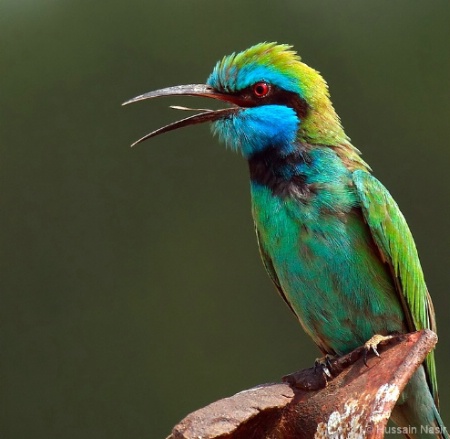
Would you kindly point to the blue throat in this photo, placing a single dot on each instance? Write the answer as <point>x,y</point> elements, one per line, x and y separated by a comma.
<point>250,132</point>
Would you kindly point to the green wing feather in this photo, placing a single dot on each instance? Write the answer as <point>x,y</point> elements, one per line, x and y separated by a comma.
<point>397,248</point>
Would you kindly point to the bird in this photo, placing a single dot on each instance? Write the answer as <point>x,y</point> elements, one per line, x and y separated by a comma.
<point>331,237</point>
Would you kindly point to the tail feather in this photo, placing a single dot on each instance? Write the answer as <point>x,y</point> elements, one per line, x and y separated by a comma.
<point>416,411</point>
<point>444,434</point>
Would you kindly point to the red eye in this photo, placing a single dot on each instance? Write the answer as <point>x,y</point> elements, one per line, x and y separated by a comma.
<point>261,89</point>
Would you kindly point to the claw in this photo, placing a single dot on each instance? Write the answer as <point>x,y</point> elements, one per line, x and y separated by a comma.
<point>325,370</point>
<point>372,344</point>
<point>324,364</point>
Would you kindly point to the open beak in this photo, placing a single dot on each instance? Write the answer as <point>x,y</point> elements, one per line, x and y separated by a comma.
<point>188,90</point>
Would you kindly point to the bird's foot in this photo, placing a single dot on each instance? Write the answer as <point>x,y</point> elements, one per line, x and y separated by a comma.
<point>324,365</point>
<point>372,345</point>
<point>317,377</point>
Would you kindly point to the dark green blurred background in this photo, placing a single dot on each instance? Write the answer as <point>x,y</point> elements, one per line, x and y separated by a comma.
<point>132,291</point>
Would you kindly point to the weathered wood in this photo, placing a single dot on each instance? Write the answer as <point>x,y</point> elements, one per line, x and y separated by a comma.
<point>357,403</point>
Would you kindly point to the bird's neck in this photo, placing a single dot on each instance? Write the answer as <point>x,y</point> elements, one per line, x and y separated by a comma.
<point>323,127</point>
<point>297,172</point>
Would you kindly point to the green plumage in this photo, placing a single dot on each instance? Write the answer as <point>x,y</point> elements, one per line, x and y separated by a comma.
<point>332,238</point>
<point>397,248</point>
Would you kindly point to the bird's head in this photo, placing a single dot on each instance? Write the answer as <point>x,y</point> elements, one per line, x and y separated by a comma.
<point>275,100</point>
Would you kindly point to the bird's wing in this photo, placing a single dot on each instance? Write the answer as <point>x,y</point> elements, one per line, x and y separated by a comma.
<point>397,249</point>
<point>268,265</point>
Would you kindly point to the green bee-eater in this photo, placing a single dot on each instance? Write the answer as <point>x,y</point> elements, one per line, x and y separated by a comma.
<point>332,238</point>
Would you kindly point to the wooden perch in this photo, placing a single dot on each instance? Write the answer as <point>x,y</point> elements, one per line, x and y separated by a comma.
<point>358,402</point>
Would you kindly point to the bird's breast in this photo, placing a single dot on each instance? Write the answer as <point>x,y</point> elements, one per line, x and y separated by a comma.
<point>325,262</point>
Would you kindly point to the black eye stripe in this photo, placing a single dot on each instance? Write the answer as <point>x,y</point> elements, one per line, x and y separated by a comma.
<point>276,96</point>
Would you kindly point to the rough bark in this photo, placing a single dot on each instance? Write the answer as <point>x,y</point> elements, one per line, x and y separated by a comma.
<point>356,403</point>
